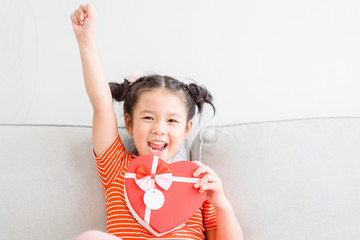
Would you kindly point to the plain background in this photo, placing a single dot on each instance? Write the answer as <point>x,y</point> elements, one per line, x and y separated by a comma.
<point>262,60</point>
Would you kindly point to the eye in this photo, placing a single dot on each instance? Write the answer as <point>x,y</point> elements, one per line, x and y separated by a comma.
<point>148,118</point>
<point>173,121</point>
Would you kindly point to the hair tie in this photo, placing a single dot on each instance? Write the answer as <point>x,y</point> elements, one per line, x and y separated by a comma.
<point>134,77</point>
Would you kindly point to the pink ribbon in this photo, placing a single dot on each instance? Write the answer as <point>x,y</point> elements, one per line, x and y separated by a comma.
<point>162,177</point>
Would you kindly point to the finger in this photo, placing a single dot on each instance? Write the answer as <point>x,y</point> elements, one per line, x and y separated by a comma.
<point>85,7</point>
<point>203,169</point>
<point>201,185</point>
<point>201,182</point>
<point>208,186</point>
<point>77,14</point>
<point>204,180</point>
<point>81,16</point>
<point>200,169</point>
<point>203,188</point>
<point>81,13</point>
<point>207,179</point>
<point>89,11</point>
<point>74,19</point>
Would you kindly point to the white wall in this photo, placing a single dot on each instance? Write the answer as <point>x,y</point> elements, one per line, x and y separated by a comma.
<point>262,60</point>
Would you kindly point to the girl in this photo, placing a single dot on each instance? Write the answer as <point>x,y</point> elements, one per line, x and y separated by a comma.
<point>158,114</point>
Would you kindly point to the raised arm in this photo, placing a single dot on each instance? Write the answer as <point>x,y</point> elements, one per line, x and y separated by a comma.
<point>104,119</point>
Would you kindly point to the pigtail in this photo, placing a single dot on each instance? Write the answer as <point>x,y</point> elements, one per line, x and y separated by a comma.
<point>200,95</point>
<point>119,90</point>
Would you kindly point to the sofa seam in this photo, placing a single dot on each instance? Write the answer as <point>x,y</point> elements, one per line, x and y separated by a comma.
<point>215,125</point>
<point>277,121</point>
<point>201,144</point>
<point>48,125</point>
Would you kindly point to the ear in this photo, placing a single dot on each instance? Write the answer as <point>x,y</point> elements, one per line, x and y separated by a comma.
<point>128,123</point>
<point>188,129</point>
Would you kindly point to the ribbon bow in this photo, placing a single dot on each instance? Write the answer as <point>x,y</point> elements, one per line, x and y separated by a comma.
<point>162,177</point>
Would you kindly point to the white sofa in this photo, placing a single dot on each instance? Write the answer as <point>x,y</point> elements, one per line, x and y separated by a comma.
<point>287,180</point>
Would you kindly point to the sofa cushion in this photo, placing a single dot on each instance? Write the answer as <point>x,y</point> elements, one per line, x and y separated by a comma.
<point>49,184</point>
<point>289,179</point>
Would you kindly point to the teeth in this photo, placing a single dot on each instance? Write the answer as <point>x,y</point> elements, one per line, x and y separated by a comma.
<point>157,143</point>
<point>157,146</point>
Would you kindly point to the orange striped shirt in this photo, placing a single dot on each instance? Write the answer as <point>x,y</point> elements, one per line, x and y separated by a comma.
<point>112,165</point>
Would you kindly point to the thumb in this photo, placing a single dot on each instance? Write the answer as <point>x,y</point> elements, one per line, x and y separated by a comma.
<point>89,11</point>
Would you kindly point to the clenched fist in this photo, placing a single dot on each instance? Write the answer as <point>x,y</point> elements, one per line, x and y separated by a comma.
<point>84,22</point>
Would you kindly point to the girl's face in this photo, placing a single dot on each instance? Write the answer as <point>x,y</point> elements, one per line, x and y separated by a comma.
<point>159,123</point>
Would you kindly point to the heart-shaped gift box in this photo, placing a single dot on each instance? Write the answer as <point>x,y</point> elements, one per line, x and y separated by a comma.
<point>162,196</point>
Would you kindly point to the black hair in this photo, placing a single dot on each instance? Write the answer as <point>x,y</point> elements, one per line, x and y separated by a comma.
<point>194,95</point>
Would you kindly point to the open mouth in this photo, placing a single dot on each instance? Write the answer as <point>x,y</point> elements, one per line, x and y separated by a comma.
<point>156,147</point>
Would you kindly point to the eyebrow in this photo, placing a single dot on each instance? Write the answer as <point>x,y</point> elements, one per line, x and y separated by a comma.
<point>172,114</point>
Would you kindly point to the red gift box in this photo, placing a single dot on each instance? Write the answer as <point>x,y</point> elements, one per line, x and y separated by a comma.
<point>162,196</point>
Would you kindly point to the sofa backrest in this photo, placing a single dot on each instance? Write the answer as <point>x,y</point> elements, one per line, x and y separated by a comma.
<point>49,184</point>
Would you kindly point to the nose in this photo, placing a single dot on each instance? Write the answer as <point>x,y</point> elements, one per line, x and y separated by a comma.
<point>159,128</point>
